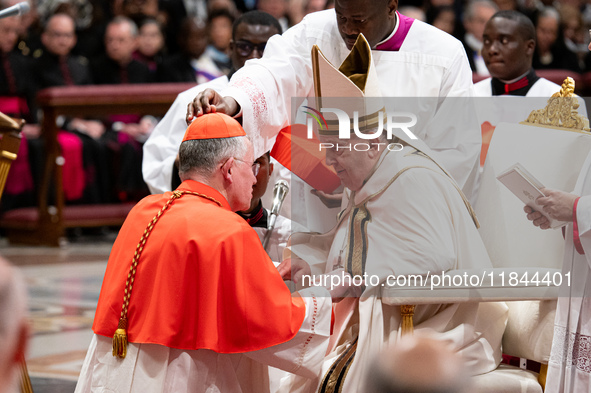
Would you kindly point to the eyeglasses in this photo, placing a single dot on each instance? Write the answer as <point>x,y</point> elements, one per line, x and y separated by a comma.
<point>255,167</point>
<point>58,34</point>
<point>245,48</point>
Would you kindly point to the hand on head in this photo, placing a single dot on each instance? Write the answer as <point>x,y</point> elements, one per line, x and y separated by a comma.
<point>210,101</point>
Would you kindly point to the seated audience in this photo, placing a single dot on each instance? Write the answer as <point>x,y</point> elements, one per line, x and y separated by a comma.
<point>477,13</point>
<point>150,45</point>
<point>551,52</point>
<point>220,35</point>
<point>190,65</point>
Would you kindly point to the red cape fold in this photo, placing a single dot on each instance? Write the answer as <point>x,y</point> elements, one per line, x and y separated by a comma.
<point>303,157</point>
<point>203,281</point>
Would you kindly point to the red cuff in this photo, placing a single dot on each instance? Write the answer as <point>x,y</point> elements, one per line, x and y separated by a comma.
<point>332,318</point>
<point>576,239</point>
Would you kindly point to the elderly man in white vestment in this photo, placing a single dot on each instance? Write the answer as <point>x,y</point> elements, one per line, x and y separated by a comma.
<point>569,367</point>
<point>402,214</point>
<point>413,59</point>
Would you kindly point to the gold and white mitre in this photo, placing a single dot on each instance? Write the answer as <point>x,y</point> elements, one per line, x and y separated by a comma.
<point>353,87</point>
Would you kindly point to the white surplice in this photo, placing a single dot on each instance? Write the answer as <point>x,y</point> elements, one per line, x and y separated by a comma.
<point>429,64</point>
<point>509,108</point>
<point>542,88</point>
<point>418,223</point>
<point>569,368</point>
<point>151,368</point>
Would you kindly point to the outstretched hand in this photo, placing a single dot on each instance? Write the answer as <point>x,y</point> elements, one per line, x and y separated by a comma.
<point>293,269</point>
<point>210,101</point>
<point>329,200</point>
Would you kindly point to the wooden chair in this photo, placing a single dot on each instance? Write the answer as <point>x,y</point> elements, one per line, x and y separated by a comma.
<point>10,129</point>
<point>9,144</point>
<point>45,223</point>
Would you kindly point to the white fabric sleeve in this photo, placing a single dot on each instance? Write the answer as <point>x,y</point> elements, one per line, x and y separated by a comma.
<point>584,225</point>
<point>454,132</point>
<point>303,354</point>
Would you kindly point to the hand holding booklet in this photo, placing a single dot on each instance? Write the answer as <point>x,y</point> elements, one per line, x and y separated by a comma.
<point>527,188</point>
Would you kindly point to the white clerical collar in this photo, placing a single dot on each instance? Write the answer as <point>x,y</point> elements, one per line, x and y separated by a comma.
<point>393,31</point>
<point>516,79</point>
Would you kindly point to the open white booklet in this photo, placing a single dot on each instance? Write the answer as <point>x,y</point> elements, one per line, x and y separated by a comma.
<point>527,188</point>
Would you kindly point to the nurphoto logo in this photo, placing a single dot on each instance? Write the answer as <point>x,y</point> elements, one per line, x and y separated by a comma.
<point>393,121</point>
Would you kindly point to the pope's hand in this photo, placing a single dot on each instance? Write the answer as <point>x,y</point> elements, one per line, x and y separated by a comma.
<point>340,284</point>
<point>329,200</point>
<point>210,101</point>
<point>293,269</point>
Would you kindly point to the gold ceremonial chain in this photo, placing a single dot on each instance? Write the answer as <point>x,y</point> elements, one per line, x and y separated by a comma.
<point>120,336</point>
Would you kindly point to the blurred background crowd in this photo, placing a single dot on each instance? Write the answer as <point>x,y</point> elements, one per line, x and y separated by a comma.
<point>84,42</point>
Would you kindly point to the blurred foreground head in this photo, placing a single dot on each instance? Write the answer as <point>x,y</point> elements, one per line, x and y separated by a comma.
<point>417,364</point>
<point>13,324</point>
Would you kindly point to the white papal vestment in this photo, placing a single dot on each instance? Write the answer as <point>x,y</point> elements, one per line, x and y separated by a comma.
<point>417,223</point>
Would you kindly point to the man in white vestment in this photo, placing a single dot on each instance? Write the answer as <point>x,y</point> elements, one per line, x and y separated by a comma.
<point>249,36</point>
<point>514,90</point>
<point>509,45</point>
<point>413,59</point>
<point>569,367</point>
<point>402,214</point>
<point>474,18</point>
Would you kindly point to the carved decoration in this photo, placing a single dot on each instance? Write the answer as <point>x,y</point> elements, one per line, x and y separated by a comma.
<point>561,111</point>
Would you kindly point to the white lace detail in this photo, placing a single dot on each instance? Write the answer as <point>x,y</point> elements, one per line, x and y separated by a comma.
<point>257,99</point>
<point>572,351</point>
<point>312,334</point>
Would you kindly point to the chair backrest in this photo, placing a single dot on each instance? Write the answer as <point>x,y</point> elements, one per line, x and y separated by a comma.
<point>555,158</point>
<point>9,144</point>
